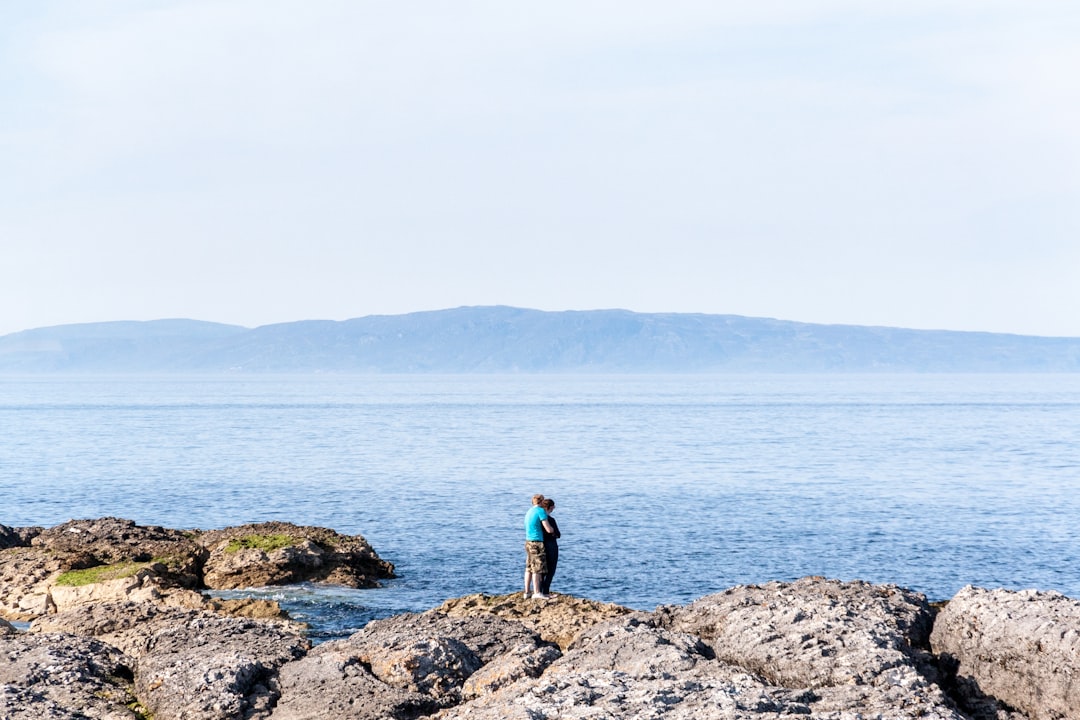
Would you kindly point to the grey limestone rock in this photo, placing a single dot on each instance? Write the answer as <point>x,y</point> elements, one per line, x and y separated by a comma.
<point>1020,648</point>
<point>488,636</point>
<point>214,668</point>
<point>408,665</point>
<point>526,660</point>
<point>128,626</point>
<point>428,659</point>
<point>558,620</point>
<point>631,668</point>
<point>332,681</point>
<point>57,675</point>
<point>814,632</point>
<point>815,648</point>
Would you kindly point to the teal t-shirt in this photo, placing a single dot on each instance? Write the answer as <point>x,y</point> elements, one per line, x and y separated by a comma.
<point>533,519</point>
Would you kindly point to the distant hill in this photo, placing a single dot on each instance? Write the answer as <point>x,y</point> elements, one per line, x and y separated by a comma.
<point>510,340</point>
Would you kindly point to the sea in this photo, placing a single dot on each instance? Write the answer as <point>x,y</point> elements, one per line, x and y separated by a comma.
<point>667,487</point>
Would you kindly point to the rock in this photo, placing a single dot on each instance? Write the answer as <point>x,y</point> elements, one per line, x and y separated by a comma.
<point>631,668</point>
<point>26,574</point>
<point>144,586</point>
<point>214,668</point>
<point>1020,648</point>
<point>278,553</point>
<point>487,636</point>
<point>70,557</point>
<point>426,659</point>
<point>128,626</point>
<point>64,676</point>
<point>111,560</point>
<point>117,616</point>
<point>17,537</point>
<point>408,665</point>
<point>526,660</point>
<point>627,668</point>
<point>333,682</point>
<point>558,620</point>
<point>112,541</point>
<point>854,644</point>
<point>814,632</point>
<point>190,663</point>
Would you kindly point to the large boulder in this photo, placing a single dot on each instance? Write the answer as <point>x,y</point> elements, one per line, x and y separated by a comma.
<point>147,562</point>
<point>852,643</point>
<point>558,620</point>
<point>279,553</point>
<point>214,668</point>
<point>813,632</point>
<point>114,541</point>
<point>58,676</point>
<point>332,681</point>
<point>1019,648</point>
<point>17,536</point>
<point>410,665</point>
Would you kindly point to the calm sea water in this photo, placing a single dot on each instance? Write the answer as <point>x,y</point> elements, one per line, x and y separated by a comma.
<point>668,487</point>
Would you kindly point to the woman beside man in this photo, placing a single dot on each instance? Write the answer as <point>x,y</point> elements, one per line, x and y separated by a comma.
<point>541,548</point>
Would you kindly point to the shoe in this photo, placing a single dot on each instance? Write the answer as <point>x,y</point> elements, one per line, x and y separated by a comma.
<point>525,595</point>
<point>541,596</point>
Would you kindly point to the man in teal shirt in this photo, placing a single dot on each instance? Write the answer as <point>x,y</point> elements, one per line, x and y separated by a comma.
<point>536,521</point>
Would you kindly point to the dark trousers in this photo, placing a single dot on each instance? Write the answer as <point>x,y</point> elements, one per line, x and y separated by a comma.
<point>551,550</point>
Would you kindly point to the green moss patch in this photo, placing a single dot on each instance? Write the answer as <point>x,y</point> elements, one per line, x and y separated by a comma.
<point>266,543</point>
<point>100,573</point>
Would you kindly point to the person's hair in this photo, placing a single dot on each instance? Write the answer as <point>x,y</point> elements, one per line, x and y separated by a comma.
<point>549,504</point>
<point>538,499</point>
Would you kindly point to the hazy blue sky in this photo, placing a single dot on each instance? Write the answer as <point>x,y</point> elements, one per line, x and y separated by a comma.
<point>897,162</point>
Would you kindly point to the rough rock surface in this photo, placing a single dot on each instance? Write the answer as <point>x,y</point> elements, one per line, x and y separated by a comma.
<point>1022,648</point>
<point>313,554</point>
<point>54,676</point>
<point>107,541</point>
<point>153,562</point>
<point>214,668</point>
<point>128,626</point>
<point>131,625</point>
<point>129,644</point>
<point>332,682</point>
<point>813,632</point>
<point>853,643</point>
<point>17,537</point>
<point>133,563</point>
<point>558,620</point>
<point>632,668</point>
<point>409,665</point>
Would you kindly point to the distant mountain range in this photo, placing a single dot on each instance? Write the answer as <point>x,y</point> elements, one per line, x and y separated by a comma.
<point>512,340</point>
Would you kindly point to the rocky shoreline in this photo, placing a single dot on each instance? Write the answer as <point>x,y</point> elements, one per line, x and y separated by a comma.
<point>121,627</point>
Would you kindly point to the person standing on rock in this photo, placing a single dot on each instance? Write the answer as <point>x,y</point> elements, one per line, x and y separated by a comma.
<point>536,522</point>
<point>551,547</point>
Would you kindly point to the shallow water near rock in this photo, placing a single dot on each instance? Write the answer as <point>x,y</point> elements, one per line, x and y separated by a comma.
<point>668,487</point>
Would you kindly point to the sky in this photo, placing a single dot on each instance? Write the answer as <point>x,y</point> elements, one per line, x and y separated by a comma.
<point>909,163</point>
